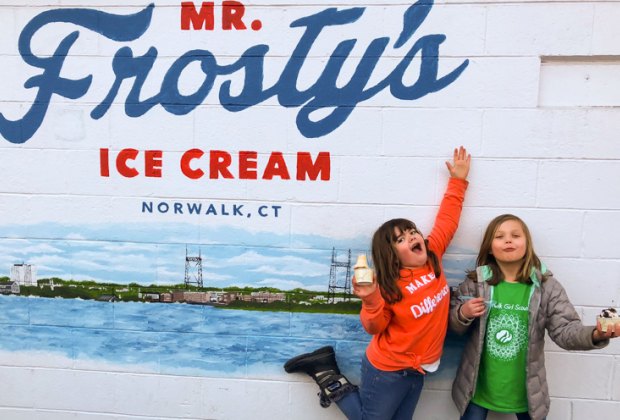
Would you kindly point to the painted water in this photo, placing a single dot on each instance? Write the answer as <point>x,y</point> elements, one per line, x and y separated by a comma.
<point>177,339</point>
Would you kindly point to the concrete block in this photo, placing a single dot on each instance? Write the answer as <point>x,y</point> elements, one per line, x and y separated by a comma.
<point>560,409</point>
<point>395,180</point>
<point>14,76</point>
<point>345,222</point>
<point>549,133</point>
<point>615,385</point>
<point>435,405</point>
<point>251,129</point>
<point>408,132</point>
<point>174,396</point>
<point>577,381</point>
<point>589,80</point>
<point>597,241</point>
<point>465,35</point>
<point>303,403</point>
<point>583,410</point>
<point>30,414</point>
<point>16,387</point>
<point>50,162</point>
<point>41,208</point>
<point>71,127</point>
<point>605,30</point>
<point>361,135</point>
<point>100,387</point>
<point>582,285</point>
<point>155,130</point>
<point>234,400</point>
<point>515,77</point>
<point>539,29</point>
<point>602,124</point>
<point>578,184</point>
<point>504,183</point>
<point>9,33</point>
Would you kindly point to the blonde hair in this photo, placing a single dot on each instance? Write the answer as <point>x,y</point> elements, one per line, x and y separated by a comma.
<point>530,259</point>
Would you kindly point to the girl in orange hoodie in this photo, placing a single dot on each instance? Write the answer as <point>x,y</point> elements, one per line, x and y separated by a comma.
<point>406,311</point>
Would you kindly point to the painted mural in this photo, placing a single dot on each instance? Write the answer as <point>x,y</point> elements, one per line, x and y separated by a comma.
<point>183,174</point>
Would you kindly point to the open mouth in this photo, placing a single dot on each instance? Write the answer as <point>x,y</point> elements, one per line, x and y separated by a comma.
<point>417,247</point>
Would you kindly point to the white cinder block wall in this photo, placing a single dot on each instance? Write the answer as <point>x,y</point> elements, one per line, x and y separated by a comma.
<point>537,106</point>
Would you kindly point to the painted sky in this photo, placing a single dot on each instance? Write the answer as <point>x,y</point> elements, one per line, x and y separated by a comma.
<point>155,254</point>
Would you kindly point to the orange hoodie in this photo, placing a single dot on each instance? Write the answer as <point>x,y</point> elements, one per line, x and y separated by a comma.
<point>410,333</point>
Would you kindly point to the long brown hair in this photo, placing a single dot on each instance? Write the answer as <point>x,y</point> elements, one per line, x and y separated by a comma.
<point>530,259</point>
<point>386,261</point>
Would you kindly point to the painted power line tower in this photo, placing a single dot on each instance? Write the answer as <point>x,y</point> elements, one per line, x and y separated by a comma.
<point>193,269</point>
<point>339,278</point>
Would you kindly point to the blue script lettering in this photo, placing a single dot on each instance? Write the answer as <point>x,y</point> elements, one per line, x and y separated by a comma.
<point>323,94</point>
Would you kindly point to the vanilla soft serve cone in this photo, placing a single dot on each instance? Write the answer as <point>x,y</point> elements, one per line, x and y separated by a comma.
<point>363,273</point>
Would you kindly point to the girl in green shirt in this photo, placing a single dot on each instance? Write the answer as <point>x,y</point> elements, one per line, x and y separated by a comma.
<point>506,305</point>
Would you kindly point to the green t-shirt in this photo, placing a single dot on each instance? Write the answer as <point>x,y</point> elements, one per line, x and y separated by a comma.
<point>501,377</point>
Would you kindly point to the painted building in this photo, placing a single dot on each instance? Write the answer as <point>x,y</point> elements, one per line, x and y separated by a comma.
<point>24,274</point>
<point>9,288</point>
<point>271,138</point>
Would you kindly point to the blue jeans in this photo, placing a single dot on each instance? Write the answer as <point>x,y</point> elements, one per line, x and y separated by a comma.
<point>383,395</point>
<point>475,412</point>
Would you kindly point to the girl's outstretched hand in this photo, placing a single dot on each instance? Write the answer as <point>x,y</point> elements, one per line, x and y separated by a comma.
<point>459,168</point>
<point>364,290</point>
<point>613,331</point>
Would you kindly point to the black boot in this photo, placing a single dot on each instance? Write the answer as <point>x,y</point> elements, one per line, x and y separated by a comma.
<point>322,367</point>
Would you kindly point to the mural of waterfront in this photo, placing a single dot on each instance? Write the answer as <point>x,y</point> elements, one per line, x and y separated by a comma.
<point>177,338</point>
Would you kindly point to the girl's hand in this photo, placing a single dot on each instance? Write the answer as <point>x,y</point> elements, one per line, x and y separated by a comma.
<point>364,290</point>
<point>473,308</point>
<point>613,331</point>
<point>459,168</point>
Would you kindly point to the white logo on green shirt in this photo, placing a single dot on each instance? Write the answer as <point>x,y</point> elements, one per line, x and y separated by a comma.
<point>506,336</point>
